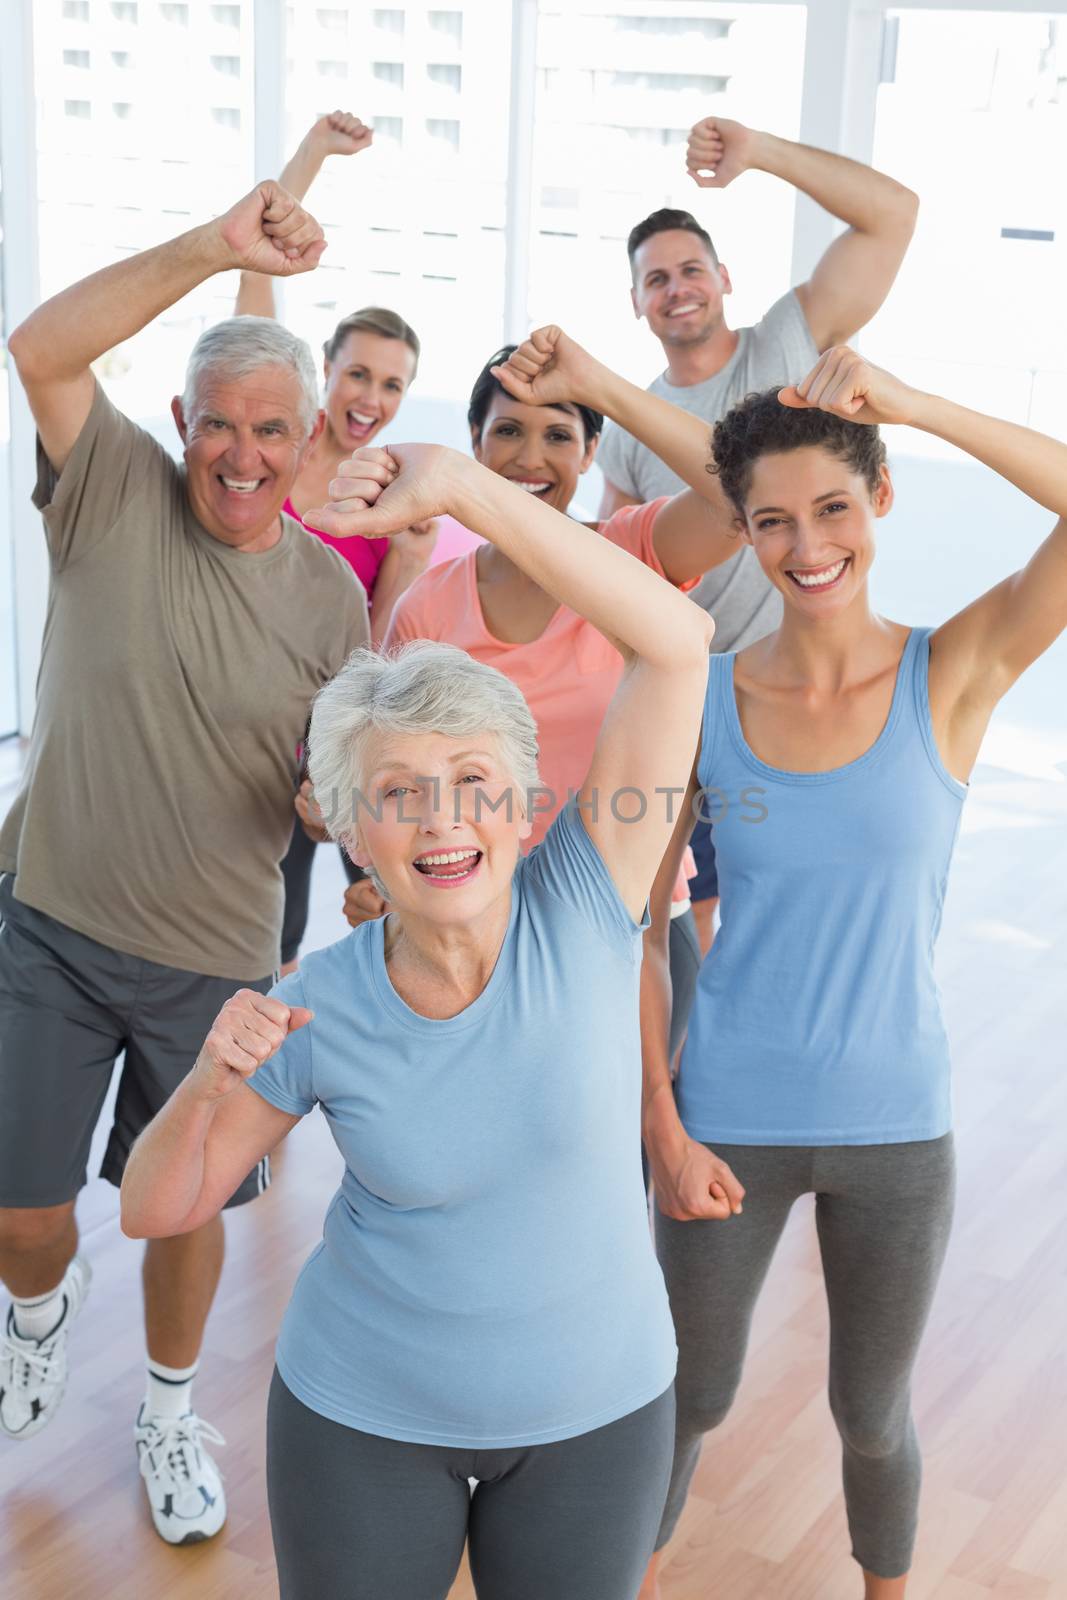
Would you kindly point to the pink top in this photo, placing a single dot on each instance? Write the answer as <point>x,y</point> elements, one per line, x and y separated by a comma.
<point>453,540</point>
<point>364,556</point>
<point>568,675</point>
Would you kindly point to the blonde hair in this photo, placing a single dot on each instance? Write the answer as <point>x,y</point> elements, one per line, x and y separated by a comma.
<point>372,319</point>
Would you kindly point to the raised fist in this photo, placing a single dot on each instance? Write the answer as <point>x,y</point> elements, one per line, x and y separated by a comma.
<point>340,134</point>
<point>246,1033</point>
<point>363,903</point>
<point>549,367</point>
<point>268,231</point>
<point>380,492</point>
<point>718,151</point>
<point>843,383</point>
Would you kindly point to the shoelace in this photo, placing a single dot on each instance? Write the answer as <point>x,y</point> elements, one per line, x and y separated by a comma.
<point>173,1446</point>
<point>27,1364</point>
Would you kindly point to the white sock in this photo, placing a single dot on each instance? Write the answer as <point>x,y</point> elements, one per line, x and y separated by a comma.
<point>37,1315</point>
<point>170,1390</point>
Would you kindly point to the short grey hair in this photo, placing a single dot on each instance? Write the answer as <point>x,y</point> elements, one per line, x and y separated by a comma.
<point>420,687</point>
<point>239,346</point>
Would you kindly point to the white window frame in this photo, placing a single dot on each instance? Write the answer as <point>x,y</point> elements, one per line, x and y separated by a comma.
<point>842,65</point>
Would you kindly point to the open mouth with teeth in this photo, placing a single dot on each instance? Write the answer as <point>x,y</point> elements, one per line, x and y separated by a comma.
<point>360,425</point>
<point>818,579</point>
<point>686,309</point>
<point>241,486</point>
<point>535,486</point>
<point>447,868</point>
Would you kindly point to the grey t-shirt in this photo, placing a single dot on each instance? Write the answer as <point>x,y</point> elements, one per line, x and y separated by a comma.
<point>778,349</point>
<point>175,681</point>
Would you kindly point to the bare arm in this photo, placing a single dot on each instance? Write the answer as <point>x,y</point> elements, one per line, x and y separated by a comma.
<point>857,270</point>
<point>979,653</point>
<point>339,133</point>
<point>650,731</point>
<point>54,348</point>
<point>213,1129</point>
<point>696,530</point>
<point>689,1181</point>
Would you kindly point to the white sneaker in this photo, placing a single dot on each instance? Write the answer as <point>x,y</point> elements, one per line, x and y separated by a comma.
<point>33,1372</point>
<point>183,1483</point>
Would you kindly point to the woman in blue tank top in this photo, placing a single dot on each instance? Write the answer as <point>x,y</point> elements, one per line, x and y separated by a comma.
<point>834,762</point>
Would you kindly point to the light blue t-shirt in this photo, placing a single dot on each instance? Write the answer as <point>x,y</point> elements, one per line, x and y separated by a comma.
<point>486,1276</point>
<point>817,1017</point>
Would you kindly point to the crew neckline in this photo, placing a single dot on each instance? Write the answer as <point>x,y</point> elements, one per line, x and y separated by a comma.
<point>833,774</point>
<point>716,377</point>
<point>470,1016</point>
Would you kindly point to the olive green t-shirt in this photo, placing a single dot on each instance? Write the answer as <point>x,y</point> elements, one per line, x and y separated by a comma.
<point>174,687</point>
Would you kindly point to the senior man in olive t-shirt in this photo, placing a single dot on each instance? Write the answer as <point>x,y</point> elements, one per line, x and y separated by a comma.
<point>190,623</point>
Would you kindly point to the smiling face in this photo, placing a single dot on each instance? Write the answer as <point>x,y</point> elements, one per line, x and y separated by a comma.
<point>678,287</point>
<point>810,520</point>
<point>543,449</point>
<point>364,386</point>
<point>439,848</point>
<point>245,440</point>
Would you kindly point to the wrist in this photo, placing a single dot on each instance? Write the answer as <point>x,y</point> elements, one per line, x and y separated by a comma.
<point>763,152</point>
<point>661,1126</point>
<point>925,411</point>
<point>209,247</point>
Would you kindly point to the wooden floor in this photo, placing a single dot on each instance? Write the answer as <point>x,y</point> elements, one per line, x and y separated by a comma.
<point>765,1520</point>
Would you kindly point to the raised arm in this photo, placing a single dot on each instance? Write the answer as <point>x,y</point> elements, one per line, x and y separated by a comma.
<point>54,348</point>
<point>649,735</point>
<point>698,529</point>
<point>213,1129</point>
<point>338,134</point>
<point>857,270</point>
<point>977,655</point>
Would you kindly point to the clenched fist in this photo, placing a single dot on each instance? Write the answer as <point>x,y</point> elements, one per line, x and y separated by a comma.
<point>843,383</point>
<point>380,492</point>
<point>549,367</point>
<point>268,231</point>
<point>340,134</point>
<point>718,150</point>
<point>247,1031</point>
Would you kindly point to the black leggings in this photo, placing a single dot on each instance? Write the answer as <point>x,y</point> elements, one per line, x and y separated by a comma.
<point>358,1517</point>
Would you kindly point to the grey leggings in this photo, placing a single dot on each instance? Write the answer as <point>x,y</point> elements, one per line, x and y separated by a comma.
<point>883,1214</point>
<point>358,1517</point>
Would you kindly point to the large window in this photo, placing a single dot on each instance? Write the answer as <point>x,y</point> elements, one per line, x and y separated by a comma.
<point>149,136</point>
<point>415,223</point>
<point>974,117</point>
<point>620,84</point>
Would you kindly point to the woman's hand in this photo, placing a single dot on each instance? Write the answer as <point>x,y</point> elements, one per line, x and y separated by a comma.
<point>339,133</point>
<point>691,1183</point>
<point>246,1033</point>
<point>380,492</point>
<point>417,542</point>
<point>363,903</point>
<point>550,367</point>
<point>309,811</point>
<point>842,383</point>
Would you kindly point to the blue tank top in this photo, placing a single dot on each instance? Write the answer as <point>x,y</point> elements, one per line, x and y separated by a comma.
<point>817,1017</point>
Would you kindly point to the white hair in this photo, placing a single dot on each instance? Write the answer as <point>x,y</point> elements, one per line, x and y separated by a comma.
<point>420,687</point>
<point>240,346</point>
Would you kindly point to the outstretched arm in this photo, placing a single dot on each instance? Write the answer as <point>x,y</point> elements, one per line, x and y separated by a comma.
<point>338,134</point>
<point>650,732</point>
<point>697,530</point>
<point>857,270</point>
<point>978,654</point>
<point>54,348</point>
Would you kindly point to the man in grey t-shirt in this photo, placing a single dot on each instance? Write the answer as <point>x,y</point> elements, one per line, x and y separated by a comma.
<point>680,285</point>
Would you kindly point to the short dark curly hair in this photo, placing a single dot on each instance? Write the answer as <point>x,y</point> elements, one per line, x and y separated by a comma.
<point>760,425</point>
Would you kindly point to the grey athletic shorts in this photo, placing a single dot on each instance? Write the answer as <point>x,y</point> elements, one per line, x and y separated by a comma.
<point>68,1008</point>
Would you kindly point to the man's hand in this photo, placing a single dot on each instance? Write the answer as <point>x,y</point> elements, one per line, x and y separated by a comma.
<point>268,231</point>
<point>382,492</point>
<point>246,1033</point>
<point>718,151</point>
<point>690,1182</point>
<point>339,134</point>
<point>363,903</point>
<point>842,383</point>
<point>550,367</point>
<point>309,811</point>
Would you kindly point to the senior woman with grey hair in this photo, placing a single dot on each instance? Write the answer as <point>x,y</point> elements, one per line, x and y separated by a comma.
<point>485,1303</point>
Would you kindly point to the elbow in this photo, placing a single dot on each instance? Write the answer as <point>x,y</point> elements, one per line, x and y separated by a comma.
<point>907,211</point>
<point>20,346</point>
